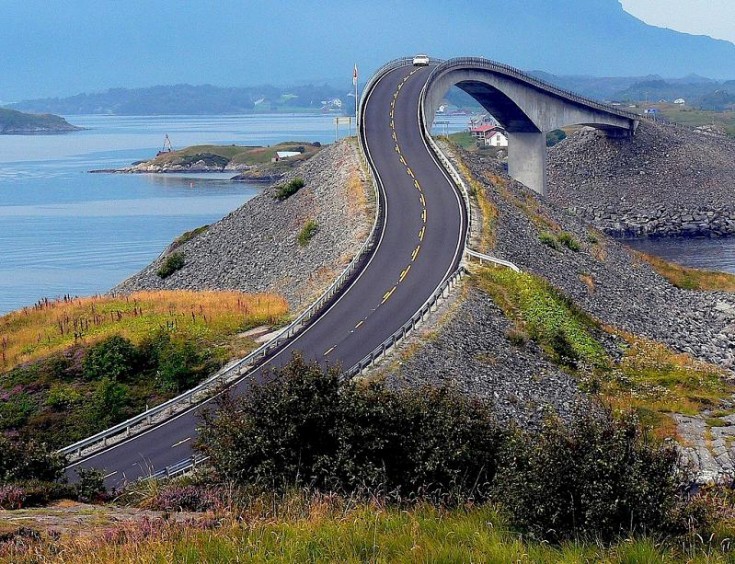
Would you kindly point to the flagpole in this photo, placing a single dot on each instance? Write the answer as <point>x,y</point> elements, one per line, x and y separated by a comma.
<point>354,82</point>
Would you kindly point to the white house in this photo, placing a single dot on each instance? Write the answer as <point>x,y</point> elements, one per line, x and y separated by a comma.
<point>496,139</point>
<point>680,101</point>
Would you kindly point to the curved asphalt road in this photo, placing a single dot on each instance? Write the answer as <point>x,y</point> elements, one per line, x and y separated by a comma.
<point>421,244</point>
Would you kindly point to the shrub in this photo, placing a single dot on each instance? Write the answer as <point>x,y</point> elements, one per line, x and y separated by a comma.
<point>185,498</point>
<point>175,261</point>
<point>549,240</point>
<point>91,485</point>
<point>307,232</point>
<point>517,337</point>
<point>110,402</point>
<point>284,191</point>
<point>568,240</point>
<point>179,363</point>
<point>62,396</point>
<point>29,460</point>
<point>598,477</point>
<point>11,497</point>
<point>308,428</point>
<point>115,358</point>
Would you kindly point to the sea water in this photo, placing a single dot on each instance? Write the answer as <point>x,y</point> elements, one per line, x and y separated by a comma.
<point>66,231</point>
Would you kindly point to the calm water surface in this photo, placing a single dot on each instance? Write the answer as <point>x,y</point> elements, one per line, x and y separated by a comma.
<point>65,231</point>
<point>710,254</point>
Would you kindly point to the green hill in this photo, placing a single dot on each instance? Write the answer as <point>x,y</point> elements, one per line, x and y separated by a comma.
<point>19,123</point>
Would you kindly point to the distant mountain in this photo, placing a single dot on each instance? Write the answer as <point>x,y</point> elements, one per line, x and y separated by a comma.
<point>19,123</point>
<point>92,46</point>
<point>195,100</point>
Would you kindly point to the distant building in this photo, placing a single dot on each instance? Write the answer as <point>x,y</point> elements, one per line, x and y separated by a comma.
<point>680,101</point>
<point>490,135</point>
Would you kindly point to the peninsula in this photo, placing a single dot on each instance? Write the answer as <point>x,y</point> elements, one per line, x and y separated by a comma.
<point>13,122</point>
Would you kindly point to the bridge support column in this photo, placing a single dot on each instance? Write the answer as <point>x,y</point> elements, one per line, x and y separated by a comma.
<point>527,159</point>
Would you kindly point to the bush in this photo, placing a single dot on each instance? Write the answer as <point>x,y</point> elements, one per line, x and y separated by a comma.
<point>185,498</point>
<point>284,191</point>
<point>306,428</point>
<point>179,363</point>
<point>568,240</point>
<point>109,404</point>
<point>549,240</point>
<point>91,485</point>
<point>598,477</point>
<point>115,358</point>
<point>11,497</point>
<point>29,460</point>
<point>307,233</point>
<point>175,261</point>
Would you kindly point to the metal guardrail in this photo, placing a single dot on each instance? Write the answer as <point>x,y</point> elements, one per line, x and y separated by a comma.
<point>241,368</point>
<point>442,292</point>
<point>518,74</point>
<point>492,260</point>
<point>439,294</point>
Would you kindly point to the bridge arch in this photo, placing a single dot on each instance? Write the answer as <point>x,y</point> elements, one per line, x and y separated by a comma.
<point>526,107</point>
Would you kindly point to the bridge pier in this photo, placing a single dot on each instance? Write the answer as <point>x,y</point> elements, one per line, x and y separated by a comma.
<point>527,159</point>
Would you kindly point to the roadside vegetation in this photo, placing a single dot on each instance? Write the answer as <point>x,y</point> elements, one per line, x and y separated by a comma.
<point>641,375</point>
<point>70,368</point>
<point>690,278</point>
<point>314,468</point>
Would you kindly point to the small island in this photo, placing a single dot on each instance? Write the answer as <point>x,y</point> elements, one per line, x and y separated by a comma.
<point>13,122</point>
<point>249,163</point>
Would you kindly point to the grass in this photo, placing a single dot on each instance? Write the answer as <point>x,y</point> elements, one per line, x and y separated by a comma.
<point>307,232</point>
<point>693,117</point>
<point>463,139</point>
<point>649,377</point>
<point>237,154</point>
<point>549,318</point>
<point>690,278</point>
<point>54,326</point>
<point>488,210</point>
<point>653,377</point>
<point>331,529</point>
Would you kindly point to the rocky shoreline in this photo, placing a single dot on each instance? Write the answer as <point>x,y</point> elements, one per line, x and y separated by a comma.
<point>668,181</point>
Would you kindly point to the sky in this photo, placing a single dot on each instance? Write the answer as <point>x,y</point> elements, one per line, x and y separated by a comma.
<point>65,47</point>
<point>715,18</point>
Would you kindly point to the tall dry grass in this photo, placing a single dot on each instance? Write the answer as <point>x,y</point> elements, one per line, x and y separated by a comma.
<point>51,326</point>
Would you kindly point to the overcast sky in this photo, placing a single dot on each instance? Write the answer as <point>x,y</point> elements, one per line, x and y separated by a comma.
<point>715,18</point>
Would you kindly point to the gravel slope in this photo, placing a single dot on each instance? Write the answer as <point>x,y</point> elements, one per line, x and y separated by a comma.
<point>255,248</point>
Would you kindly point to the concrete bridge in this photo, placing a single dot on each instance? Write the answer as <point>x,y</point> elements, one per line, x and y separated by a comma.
<point>526,107</point>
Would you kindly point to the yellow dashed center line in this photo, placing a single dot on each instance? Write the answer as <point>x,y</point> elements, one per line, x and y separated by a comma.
<point>359,323</point>
<point>391,114</point>
<point>422,232</point>
<point>392,124</point>
<point>404,273</point>
<point>388,294</point>
<point>423,215</point>
<point>397,148</point>
<point>330,350</point>
<point>403,161</point>
<point>410,172</point>
<point>415,253</point>
<point>393,134</point>
<point>423,200</point>
<point>418,186</point>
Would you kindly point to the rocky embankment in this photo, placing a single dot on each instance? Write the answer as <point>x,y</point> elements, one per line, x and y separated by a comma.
<point>604,278</point>
<point>666,181</point>
<point>256,248</point>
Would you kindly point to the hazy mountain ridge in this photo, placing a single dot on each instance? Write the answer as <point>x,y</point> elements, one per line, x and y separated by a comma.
<point>563,37</point>
<point>191,100</point>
